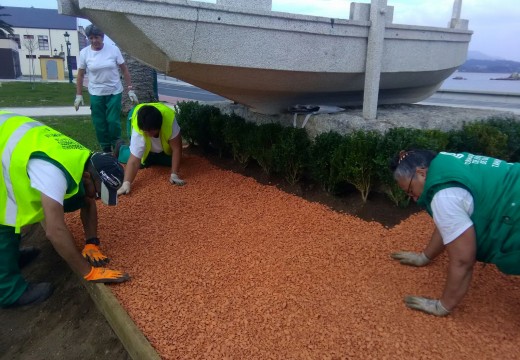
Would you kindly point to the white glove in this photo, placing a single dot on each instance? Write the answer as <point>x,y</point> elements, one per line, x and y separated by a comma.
<point>175,179</point>
<point>411,258</point>
<point>133,96</point>
<point>429,306</point>
<point>78,101</point>
<point>124,189</point>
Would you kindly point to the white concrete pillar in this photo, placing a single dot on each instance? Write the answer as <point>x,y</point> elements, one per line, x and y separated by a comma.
<point>457,6</point>
<point>376,38</point>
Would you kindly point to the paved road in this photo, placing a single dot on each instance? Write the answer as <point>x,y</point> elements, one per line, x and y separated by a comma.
<point>185,91</point>
<point>179,89</point>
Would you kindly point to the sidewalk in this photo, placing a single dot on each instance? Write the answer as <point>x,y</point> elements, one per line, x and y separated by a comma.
<point>70,111</point>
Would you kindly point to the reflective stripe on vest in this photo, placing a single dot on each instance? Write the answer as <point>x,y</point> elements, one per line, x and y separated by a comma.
<point>12,207</point>
<point>5,117</point>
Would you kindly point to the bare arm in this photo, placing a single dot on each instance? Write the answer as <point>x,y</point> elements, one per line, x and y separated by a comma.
<point>435,247</point>
<point>462,253</point>
<point>176,146</point>
<point>131,168</point>
<point>60,236</point>
<point>126,75</point>
<point>79,81</point>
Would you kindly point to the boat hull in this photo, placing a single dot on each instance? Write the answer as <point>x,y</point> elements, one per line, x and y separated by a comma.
<point>271,61</point>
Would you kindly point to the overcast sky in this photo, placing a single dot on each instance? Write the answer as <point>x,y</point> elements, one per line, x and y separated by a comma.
<point>496,24</point>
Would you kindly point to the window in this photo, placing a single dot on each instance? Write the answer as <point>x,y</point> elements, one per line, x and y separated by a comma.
<point>43,42</point>
<point>28,37</point>
<point>30,56</point>
<point>16,38</point>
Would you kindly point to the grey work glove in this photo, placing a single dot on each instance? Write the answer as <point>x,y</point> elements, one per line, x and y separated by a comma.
<point>429,306</point>
<point>124,189</point>
<point>133,96</point>
<point>175,179</point>
<point>411,258</point>
<point>78,101</point>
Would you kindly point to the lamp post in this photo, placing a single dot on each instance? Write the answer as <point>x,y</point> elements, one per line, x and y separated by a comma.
<point>55,52</point>
<point>67,42</point>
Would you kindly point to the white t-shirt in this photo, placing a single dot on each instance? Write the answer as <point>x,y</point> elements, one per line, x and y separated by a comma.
<point>103,69</point>
<point>452,208</point>
<point>137,142</point>
<point>48,179</point>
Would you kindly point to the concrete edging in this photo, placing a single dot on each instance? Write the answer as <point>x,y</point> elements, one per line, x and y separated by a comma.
<point>134,341</point>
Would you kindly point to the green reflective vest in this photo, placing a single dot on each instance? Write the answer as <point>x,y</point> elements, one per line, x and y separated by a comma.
<point>21,139</point>
<point>168,117</point>
<point>495,187</point>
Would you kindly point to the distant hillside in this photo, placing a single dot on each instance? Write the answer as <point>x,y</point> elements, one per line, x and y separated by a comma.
<point>478,55</point>
<point>490,66</point>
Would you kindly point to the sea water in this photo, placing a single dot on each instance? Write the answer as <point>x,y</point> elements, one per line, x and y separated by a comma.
<point>481,82</point>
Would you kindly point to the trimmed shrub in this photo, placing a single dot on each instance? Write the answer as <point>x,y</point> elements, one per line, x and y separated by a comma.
<point>353,161</point>
<point>480,138</point>
<point>291,153</point>
<point>238,134</point>
<point>320,159</point>
<point>263,140</point>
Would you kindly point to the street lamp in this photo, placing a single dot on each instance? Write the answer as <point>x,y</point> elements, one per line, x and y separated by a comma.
<point>55,52</point>
<point>67,42</point>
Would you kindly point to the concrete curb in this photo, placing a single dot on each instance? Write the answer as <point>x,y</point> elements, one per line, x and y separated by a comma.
<point>129,334</point>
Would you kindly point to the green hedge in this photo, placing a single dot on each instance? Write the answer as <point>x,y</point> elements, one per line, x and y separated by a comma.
<point>360,158</point>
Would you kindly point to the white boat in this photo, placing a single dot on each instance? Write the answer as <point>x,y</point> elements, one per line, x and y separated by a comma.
<point>270,61</point>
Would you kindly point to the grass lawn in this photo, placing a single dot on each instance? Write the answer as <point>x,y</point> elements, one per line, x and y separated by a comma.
<point>22,94</point>
<point>79,128</point>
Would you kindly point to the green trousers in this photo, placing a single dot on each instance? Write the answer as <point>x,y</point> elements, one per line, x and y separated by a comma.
<point>106,112</point>
<point>12,284</point>
<point>152,159</point>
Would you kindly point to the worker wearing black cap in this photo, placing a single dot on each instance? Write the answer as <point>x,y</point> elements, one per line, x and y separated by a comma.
<point>43,175</point>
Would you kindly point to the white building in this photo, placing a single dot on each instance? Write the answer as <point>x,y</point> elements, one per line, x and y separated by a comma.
<point>40,32</point>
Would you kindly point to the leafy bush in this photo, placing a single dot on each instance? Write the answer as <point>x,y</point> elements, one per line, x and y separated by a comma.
<point>354,161</point>
<point>264,138</point>
<point>291,153</point>
<point>511,128</point>
<point>238,134</point>
<point>194,120</point>
<point>480,138</point>
<point>320,159</point>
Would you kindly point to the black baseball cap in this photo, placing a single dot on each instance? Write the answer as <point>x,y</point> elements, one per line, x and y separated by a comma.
<point>108,175</point>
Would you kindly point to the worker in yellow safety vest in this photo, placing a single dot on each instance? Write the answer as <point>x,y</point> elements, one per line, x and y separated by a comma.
<point>43,175</point>
<point>155,139</point>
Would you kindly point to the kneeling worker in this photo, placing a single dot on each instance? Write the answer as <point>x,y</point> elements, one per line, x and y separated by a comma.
<point>44,175</point>
<point>155,139</point>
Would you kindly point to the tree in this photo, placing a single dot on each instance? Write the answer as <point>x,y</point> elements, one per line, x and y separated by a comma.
<point>144,81</point>
<point>30,44</point>
<point>5,28</point>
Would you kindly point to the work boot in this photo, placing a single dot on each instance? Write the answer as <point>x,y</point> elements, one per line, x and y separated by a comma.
<point>34,294</point>
<point>117,147</point>
<point>27,255</point>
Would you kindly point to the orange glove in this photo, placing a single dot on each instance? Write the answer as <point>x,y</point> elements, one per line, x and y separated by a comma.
<point>93,255</point>
<point>103,275</point>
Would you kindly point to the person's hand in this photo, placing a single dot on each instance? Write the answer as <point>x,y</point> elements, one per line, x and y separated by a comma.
<point>429,306</point>
<point>175,179</point>
<point>104,275</point>
<point>124,189</point>
<point>411,258</point>
<point>78,101</point>
<point>93,255</point>
<point>133,96</point>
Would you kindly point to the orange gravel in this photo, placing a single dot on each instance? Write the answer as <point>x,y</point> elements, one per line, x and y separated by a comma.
<point>225,267</point>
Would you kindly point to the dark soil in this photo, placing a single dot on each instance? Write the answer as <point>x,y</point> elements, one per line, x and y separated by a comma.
<point>68,325</point>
